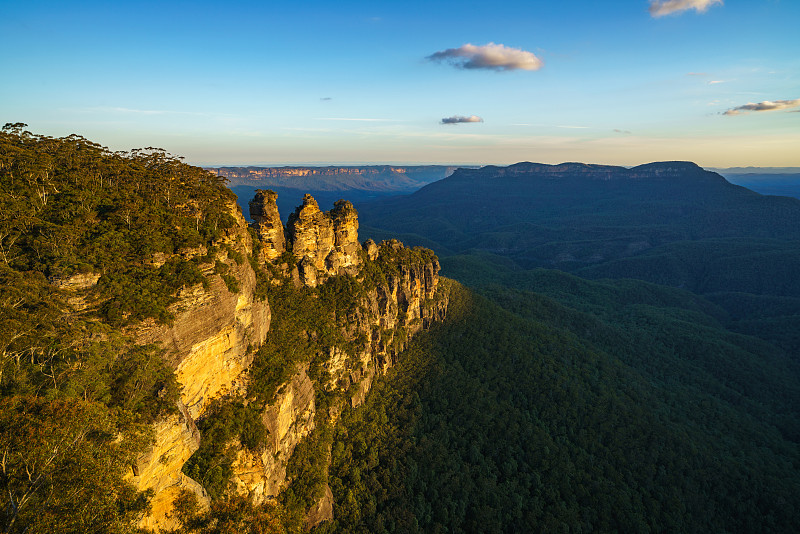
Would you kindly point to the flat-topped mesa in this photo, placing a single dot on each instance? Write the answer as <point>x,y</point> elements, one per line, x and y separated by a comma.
<point>268,225</point>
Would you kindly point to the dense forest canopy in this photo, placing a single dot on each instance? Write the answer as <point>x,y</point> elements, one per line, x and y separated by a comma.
<point>627,410</point>
<point>658,392</point>
<point>78,396</point>
<point>546,402</point>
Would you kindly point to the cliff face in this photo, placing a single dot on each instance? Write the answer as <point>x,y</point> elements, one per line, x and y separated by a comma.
<point>217,332</point>
<point>288,420</point>
<point>207,345</point>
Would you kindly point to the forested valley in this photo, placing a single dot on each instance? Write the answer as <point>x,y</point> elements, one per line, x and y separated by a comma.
<point>624,358</point>
<point>629,364</point>
<point>628,410</point>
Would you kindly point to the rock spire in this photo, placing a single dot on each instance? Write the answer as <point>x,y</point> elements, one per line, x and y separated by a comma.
<point>324,243</point>
<point>268,225</point>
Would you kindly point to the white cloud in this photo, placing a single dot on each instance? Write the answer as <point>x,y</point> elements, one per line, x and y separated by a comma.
<point>659,8</point>
<point>458,119</point>
<point>766,105</point>
<point>489,56</point>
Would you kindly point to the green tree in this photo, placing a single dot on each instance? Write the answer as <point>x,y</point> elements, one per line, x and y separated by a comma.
<point>62,467</point>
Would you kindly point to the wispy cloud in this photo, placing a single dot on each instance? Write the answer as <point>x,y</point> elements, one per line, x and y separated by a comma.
<point>489,56</point>
<point>120,112</point>
<point>766,105</point>
<point>713,82</point>
<point>459,119</point>
<point>133,111</point>
<point>659,8</point>
<point>355,119</point>
<point>624,132</point>
<point>326,99</point>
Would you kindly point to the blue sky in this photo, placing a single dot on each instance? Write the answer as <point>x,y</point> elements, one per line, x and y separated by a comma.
<point>615,82</point>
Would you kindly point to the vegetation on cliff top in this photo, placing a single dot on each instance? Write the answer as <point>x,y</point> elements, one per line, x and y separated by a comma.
<point>76,396</point>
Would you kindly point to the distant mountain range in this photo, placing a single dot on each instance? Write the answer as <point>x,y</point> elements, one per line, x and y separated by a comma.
<point>670,223</point>
<point>578,214</point>
<point>754,170</point>
<point>329,184</point>
<point>766,183</point>
<point>338,178</point>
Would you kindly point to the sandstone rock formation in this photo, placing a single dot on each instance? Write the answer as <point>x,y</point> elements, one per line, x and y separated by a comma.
<point>207,345</point>
<point>345,230</point>
<point>215,334</point>
<point>288,420</point>
<point>268,225</point>
<point>325,243</point>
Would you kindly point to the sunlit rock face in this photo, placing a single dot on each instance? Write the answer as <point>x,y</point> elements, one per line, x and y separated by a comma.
<point>346,246</point>
<point>311,233</point>
<point>326,241</point>
<point>268,225</point>
<point>290,418</point>
<point>216,332</point>
<point>207,342</point>
<point>207,346</point>
<point>176,439</point>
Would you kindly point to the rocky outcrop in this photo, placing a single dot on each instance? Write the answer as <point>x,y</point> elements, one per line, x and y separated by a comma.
<point>345,233</point>
<point>287,420</point>
<point>322,510</point>
<point>326,243</point>
<point>268,225</point>
<point>209,344</point>
<point>216,332</point>
<point>401,303</point>
<point>176,439</point>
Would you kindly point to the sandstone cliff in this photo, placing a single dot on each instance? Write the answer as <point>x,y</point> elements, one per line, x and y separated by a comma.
<point>207,345</point>
<point>221,328</point>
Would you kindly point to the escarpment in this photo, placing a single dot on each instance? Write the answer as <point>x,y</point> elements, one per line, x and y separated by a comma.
<point>209,345</point>
<point>292,327</point>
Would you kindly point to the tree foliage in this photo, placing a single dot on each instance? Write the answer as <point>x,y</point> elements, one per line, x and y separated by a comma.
<point>521,414</point>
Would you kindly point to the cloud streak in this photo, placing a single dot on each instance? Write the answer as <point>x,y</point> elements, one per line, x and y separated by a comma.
<point>133,111</point>
<point>490,56</point>
<point>355,119</point>
<point>459,119</point>
<point>766,105</point>
<point>660,8</point>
